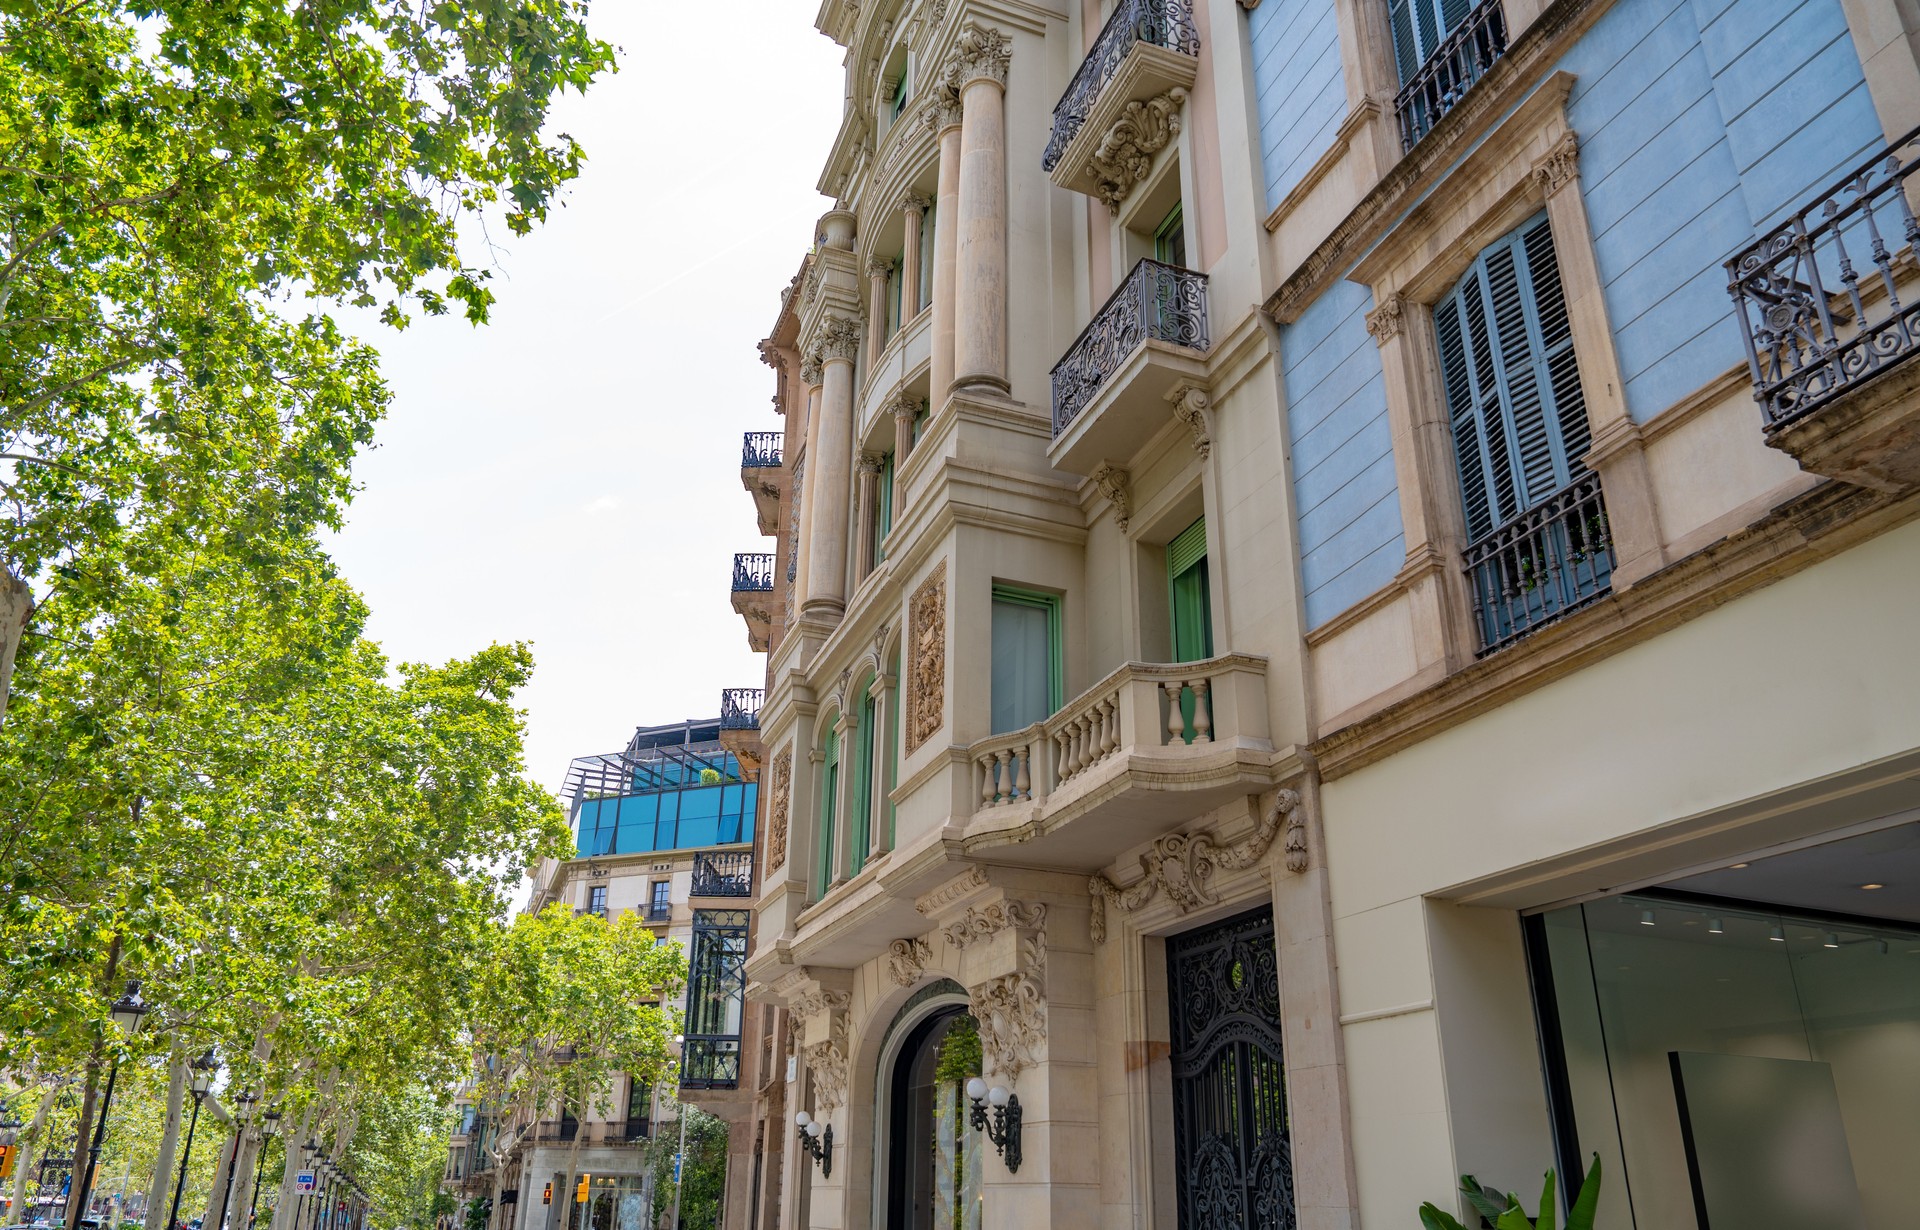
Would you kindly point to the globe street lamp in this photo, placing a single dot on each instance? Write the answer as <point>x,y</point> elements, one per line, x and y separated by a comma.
<point>269,1127</point>
<point>127,1012</point>
<point>199,1081</point>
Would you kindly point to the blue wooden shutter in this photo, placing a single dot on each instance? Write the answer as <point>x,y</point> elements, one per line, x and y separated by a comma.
<point>1512,384</point>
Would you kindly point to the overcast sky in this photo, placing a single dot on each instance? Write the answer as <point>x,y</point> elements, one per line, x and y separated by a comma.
<point>569,474</point>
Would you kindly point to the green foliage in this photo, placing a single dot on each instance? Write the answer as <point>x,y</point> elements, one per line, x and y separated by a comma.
<point>703,1176</point>
<point>1504,1212</point>
<point>960,1055</point>
<point>709,777</point>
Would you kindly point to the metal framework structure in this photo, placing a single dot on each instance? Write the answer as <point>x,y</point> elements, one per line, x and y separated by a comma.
<point>1156,300</point>
<point>1232,1146</point>
<point>716,999</point>
<point>1812,329</point>
<point>1464,58</point>
<point>760,450</point>
<point>740,708</point>
<point>656,758</point>
<point>1162,23</point>
<point>726,873</point>
<point>752,571</point>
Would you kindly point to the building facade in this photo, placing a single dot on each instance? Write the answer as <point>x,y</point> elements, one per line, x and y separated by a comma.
<point>664,830</point>
<point>1293,657</point>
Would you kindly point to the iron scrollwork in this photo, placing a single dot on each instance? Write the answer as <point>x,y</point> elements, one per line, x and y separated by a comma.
<point>1157,301</point>
<point>1161,23</point>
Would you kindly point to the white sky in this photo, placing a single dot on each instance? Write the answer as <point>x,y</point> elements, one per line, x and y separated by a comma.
<point>569,474</point>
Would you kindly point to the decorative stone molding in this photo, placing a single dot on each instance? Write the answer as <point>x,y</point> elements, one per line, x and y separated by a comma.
<point>813,1000</point>
<point>1560,165</point>
<point>1296,842</point>
<point>840,338</point>
<point>1190,404</point>
<point>904,405</point>
<point>914,203</point>
<point>1112,481</point>
<point>828,1063</point>
<point>927,661</point>
<point>777,814</point>
<point>1125,153</point>
<point>810,368</point>
<point>942,110</point>
<point>970,880</point>
<point>877,656</point>
<point>770,353</point>
<point>870,463</point>
<point>810,288</point>
<point>981,53</point>
<point>1012,1013</point>
<point>1384,321</point>
<point>1182,865</point>
<point>878,268</point>
<point>993,918</point>
<point>907,960</point>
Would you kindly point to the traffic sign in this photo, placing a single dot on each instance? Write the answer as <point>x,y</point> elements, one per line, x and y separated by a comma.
<point>303,1182</point>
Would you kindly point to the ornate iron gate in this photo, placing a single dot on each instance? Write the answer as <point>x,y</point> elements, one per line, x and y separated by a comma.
<point>1229,1085</point>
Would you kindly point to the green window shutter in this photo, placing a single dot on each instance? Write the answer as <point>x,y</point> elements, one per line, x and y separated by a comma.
<point>1419,26</point>
<point>1192,603</point>
<point>1028,664</point>
<point>830,790</point>
<point>858,830</point>
<point>1513,393</point>
<point>883,518</point>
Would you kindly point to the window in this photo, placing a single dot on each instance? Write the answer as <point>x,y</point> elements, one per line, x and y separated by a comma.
<point>1188,594</point>
<point>935,1163</point>
<point>883,507</point>
<point>1419,27</point>
<point>894,282</point>
<point>1170,239</point>
<point>716,1000</point>
<point>926,260</point>
<point>661,904</point>
<point>859,824</point>
<point>1536,529</point>
<point>639,1106</point>
<point>829,792</point>
<point>597,900</point>
<point>1027,665</point>
<point>901,88</point>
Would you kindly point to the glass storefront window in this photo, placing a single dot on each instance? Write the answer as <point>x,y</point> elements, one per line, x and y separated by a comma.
<point>1734,1067</point>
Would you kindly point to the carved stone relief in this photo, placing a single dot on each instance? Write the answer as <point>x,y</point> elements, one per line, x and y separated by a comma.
<point>907,960</point>
<point>1182,866</point>
<point>840,338</point>
<point>1384,321</point>
<point>777,821</point>
<point>981,53</point>
<point>828,1063</point>
<point>971,879</point>
<point>812,1001</point>
<point>927,669</point>
<point>992,918</point>
<point>1112,481</point>
<point>1559,165</point>
<point>1012,1013</point>
<point>1190,404</point>
<point>1126,150</point>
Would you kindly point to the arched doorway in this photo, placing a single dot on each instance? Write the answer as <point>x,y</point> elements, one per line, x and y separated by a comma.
<point>931,1163</point>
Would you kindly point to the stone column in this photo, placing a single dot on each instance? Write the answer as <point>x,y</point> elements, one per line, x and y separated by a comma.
<point>943,116</point>
<point>980,284</point>
<point>802,546</point>
<point>904,408</point>
<point>879,840</point>
<point>867,491</point>
<point>828,459</point>
<point>914,206</point>
<point>877,271</point>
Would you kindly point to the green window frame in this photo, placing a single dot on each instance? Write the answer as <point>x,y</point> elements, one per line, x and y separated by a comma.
<point>895,281</point>
<point>901,89</point>
<point>926,259</point>
<point>830,790</point>
<point>859,824</point>
<point>883,510</point>
<point>1189,597</point>
<point>1419,27</point>
<point>1170,238</point>
<point>1017,596</point>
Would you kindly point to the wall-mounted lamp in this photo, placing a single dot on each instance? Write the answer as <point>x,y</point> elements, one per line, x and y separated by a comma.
<point>1004,1127</point>
<point>816,1139</point>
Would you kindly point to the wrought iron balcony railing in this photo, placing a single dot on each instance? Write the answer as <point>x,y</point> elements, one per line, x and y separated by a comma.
<point>760,450</point>
<point>728,874</point>
<point>659,912</point>
<point>740,708</point>
<point>1547,562</point>
<point>1813,327</point>
<point>752,571</point>
<point>1163,23</point>
<point>1155,301</point>
<point>1462,59</point>
<point>710,1061</point>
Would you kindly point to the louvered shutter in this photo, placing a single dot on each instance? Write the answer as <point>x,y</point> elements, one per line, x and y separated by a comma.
<point>1512,385</point>
<point>1418,28</point>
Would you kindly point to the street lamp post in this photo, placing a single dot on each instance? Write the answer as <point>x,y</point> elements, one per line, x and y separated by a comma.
<point>270,1123</point>
<point>127,1013</point>
<point>199,1080</point>
<point>243,1104</point>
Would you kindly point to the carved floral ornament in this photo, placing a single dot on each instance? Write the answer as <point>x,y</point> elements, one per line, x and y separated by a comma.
<point>840,338</point>
<point>981,53</point>
<point>810,369</point>
<point>1182,865</point>
<point>1012,1013</point>
<point>1112,482</point>
<point>927,659</point>
<point>1190,404</point>
<point>907,960</point>
<point>1126,150</point>
<point>828,1063</point>
<point>812,1001</point>
<point>1560,165</point>
<point>1384,322</point>
<point>777,823</point>
<point>993,918</point>
<point>940,898</point>
<point>942,110</point>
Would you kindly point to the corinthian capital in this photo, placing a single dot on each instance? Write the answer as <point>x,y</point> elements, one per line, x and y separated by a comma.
<point>840,338</point>
<point>981,53</point>
<point>943,111</point>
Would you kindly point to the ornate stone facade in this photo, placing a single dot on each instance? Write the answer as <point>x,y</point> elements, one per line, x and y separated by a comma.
<point>782,789</point>
<point>1182,866</point>
<point>927,659</point>
<point>1190,404</point>
<point>907,960</point>
<point>1126,150</point>
<point>828,1063</point>
<point>1112,482</point>
<point>992,918</point>
<point>1012,1013</point>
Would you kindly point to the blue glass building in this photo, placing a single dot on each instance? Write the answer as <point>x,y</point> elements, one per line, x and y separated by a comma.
<point>671,788</point>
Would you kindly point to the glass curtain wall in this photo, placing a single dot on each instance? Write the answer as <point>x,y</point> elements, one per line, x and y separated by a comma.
<point>1735,1067</point>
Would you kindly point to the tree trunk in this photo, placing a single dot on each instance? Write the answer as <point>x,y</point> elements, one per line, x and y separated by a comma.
<point>29,1140</point>
<point>169,1139</point>
<point>16,607</point>
<point>284,1207</point>
<point>83,1134</point>
<point>226,1175</point>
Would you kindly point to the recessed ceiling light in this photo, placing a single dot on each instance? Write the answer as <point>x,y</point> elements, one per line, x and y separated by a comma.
<point>1737,866</point>
<point>1870,887</point>
<point>1832,941</point>
<point>1646,918</point>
